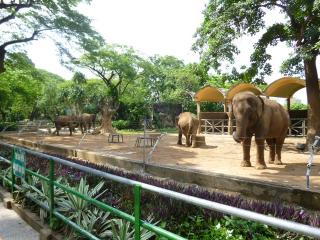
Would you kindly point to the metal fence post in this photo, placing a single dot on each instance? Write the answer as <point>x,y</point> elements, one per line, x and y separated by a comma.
<point>13,179</point>
<point>51,191</point>
<point>137,211</point>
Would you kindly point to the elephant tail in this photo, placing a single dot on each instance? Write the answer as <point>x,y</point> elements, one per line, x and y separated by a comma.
<point>190,129</point>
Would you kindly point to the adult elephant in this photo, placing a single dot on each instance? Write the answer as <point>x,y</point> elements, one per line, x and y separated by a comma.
<point>66,121</point>
<point>188,125</point>
<point>87,121</point>
<point>263,118</point>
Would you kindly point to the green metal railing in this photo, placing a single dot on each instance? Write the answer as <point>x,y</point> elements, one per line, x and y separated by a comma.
<point>136,219</point>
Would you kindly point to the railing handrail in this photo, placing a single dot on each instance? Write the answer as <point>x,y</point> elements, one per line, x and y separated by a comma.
<point>246,214</point>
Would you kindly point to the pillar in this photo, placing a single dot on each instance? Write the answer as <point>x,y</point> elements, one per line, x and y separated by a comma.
<point>198,115</point>
<point>225,106</point>
<point>198,110</point>
<point>230,128</point>
<point>288,104</point>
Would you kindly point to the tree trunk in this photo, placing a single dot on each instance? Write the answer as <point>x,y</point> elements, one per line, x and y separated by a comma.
<point>106,122</point>
<point>2,56</point>
<point>313,95</point>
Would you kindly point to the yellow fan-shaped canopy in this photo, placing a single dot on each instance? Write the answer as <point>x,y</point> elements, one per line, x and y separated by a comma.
<point>241,87</point>
<point>209,94</point>
<point>284,87</point>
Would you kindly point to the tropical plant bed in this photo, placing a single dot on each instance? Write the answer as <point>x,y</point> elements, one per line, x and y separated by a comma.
<point>175,216</point>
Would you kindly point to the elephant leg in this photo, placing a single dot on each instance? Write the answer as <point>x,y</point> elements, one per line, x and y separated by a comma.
<point>180,137</point>
<point>189,135</point>
<point>70,129</point>
<point>272,146</point>
<point>246,145</point>
<point>260,164</point>
<point>279,144</point>
<point>193,138</point>
<point>188,138</point>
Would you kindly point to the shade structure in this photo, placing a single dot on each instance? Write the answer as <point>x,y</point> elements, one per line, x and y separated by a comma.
<point>285,87</point>
<point>241,87</point>
<point>209,94</point>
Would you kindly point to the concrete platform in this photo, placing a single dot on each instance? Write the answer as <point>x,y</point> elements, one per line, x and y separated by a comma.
<point>216,165</point>
<point>12,227</point>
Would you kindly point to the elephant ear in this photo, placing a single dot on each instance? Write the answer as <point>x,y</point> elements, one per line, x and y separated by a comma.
<point>260,110</point>
<point>257,105</point>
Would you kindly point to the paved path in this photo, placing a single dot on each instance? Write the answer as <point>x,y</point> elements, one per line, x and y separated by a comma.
<point>12,227</point>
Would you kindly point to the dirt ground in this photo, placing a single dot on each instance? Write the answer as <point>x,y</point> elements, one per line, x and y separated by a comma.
<point>220,155</point>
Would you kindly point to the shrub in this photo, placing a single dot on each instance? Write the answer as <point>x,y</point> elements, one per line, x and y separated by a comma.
<point>8,126</point>
<point>120,124</point>
<point>298,106</point>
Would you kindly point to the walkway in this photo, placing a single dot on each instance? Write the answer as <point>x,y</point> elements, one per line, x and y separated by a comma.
<point>12,227</point>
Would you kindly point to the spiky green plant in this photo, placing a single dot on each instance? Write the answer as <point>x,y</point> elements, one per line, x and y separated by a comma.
<point>75,207</point>
<point>124,230</point>
<point>5,173</point>
<point>98,223</point>
<point>42,193</point>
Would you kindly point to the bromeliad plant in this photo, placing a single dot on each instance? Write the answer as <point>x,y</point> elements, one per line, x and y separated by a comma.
<point>94,220</point>
<point>6,172</point>
<point>75,207</point>
<point>39,189</point>
<point>98,223</point>
<point>123,230</point>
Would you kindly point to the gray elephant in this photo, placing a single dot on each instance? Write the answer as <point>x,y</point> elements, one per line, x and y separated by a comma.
<point>263,118</point>
<point>87,121</point>
<point>188,124</point>
<point>66,121</point>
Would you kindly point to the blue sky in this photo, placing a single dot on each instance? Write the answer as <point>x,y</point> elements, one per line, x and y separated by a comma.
<point>164,27</point>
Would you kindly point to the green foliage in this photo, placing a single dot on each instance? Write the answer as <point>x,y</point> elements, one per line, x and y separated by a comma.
<point>231,228</point>
<point>117,66</point>
<point>227,20</point>
<point>21,87</point>
<point>8,126</point>
<point>120,124</point>
<point>168,79</point>
<point>98,223</point>
<point>124,230</point>
<point>298,106</point>
<point>211,107</point>
<point>27,20</point>
<point>75,207</point>
<point>5,172</point>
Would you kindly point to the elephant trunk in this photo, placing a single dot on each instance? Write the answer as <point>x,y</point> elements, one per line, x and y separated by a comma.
<point>241,131</point>
<point>235,137</point>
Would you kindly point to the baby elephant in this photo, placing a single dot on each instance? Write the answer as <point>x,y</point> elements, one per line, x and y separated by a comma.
<point>188,125</point>
<point>263,118</point>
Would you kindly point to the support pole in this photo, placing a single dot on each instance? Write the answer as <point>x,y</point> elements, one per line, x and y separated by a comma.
<point>225,106</point>
<point>230,127</point>
<point>51,192</point>
<point>198,116</point>
<point>288,104</point>
<point>198,110</point>
<point>137,211</point>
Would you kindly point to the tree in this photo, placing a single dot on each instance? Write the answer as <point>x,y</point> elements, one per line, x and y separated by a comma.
<point>23,87</point>
<point>168,79</point>
<point>23,21</point>
<point>117,67</point>
<point>226,20</point>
